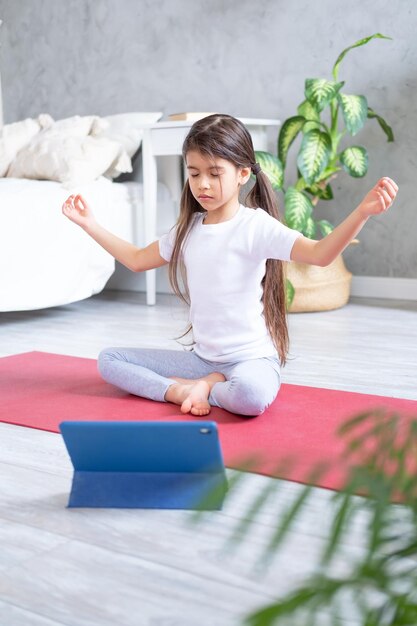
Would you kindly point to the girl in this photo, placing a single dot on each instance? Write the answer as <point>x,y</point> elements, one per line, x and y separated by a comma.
<point>228,257</point>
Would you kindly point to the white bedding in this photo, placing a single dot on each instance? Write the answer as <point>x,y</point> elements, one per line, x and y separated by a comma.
<point>46,260</point>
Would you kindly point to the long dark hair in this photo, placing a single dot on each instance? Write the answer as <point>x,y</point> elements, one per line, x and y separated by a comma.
<point>225,137</point>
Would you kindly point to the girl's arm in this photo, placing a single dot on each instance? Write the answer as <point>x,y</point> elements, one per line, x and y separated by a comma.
<point>323,252</point>
<point>135,259</point>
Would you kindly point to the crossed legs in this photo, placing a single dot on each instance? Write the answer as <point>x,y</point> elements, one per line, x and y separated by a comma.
<point>195,384</point>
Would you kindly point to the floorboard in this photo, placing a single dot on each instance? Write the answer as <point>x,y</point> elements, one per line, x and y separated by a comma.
<point>165,568</point>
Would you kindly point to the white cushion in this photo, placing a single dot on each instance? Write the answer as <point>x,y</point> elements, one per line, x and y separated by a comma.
<point>71,160</point>
<point>127,129</point>
<point>14,137</point>
<point>78,149</point>
<point>75,126</point>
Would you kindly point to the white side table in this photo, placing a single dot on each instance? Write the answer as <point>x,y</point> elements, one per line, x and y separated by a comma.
<point>166,139</point>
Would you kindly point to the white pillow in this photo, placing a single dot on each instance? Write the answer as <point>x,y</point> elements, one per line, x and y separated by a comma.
<point>127,129</point>
<point>75,126</point>
<point>14,137</point>
<point>70,160</point>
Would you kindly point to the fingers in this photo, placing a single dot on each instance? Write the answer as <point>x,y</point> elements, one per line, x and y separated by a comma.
<point>387,184</point>
<point>386,189</point>
<point>80,203</point>
<point>68,205</point>
<point>384,199</point>
<point>74,202</point>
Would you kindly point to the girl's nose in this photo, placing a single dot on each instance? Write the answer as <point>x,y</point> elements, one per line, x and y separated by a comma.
<point>204,183</point>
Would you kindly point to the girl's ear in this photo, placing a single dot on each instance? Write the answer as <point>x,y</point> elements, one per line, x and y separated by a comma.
<point>244,175</point>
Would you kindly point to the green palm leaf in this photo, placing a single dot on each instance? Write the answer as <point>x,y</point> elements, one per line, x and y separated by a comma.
<point>387,129</point>
<point>361,42</point>
<point>288,133</point>
<point>355,161</point>
<point>298,209</point>
<point>314,154</point>
<point>355,111</point>
<point>319,91</point>
<point>272,167</point>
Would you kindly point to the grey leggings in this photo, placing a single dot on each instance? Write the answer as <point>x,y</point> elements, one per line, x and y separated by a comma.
<point>249,389</point>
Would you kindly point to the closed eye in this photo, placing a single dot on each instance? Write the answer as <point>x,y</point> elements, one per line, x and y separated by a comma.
<point>212,174</point>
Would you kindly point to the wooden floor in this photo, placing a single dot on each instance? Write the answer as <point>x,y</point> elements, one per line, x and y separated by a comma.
<point>161,568</point>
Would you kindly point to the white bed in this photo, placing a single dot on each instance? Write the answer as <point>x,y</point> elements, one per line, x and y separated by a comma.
<point>46,260</point>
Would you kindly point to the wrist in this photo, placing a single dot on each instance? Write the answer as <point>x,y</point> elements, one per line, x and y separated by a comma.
<point>362,213</point>
<point>90,227</point>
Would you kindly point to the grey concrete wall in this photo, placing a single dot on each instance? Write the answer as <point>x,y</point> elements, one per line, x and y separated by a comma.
<point>242,57</point>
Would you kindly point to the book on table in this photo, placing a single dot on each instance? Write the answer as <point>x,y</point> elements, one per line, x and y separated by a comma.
<point>192,116</point>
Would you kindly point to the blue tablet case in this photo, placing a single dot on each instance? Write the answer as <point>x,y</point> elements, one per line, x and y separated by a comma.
<point>166,465</point>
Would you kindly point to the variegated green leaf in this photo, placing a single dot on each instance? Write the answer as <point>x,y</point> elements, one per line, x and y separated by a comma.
<point>287,134</point>
<point>310,126</point>
<point>323,194</point>
<point>355,161</point>
<point>314,155</point>
<point>300,185</point>
<point>311,115</point>
<point>361,42</point>
<point>298,209</point>
<point>319,91</point>
<point>272,167</point>
<point>289,293</point>
<point>325,227</point>
<point>387,129</point>
<point>327,173</point>
<point>310,228</point>
<point>354,110</point>
<point>306,109</point>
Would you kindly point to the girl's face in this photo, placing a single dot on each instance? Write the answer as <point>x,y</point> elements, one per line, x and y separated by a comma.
<point>215,183</point>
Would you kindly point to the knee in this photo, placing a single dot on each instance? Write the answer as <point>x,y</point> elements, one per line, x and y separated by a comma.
<point>105,357</point>
<point>251,399</point>
<point>253,408</point>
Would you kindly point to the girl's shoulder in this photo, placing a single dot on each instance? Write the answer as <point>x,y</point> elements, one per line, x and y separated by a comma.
<point>256,214</point>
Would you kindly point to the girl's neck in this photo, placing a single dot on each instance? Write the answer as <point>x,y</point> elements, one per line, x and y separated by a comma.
<point>223,214</point>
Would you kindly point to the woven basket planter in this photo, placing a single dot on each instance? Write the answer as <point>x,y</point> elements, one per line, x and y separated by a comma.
<point>319,288</point>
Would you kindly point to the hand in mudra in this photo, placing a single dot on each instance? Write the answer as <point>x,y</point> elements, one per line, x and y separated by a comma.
<point>379,198</point>
<point>77,210</point>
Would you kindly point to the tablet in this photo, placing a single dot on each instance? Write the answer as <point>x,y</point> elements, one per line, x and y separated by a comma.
<point>145,464</point>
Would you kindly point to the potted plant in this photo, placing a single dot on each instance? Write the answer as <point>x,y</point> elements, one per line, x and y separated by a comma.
<point>319,160</point>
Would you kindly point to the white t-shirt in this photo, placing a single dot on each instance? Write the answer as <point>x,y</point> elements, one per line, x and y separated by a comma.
<point>225,265</point>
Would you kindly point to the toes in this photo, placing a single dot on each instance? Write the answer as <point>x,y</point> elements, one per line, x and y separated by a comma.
<point>200,410</point>
<point>186,406</point>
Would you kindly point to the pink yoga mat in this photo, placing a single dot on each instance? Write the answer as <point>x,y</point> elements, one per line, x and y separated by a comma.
<point>39,390</point>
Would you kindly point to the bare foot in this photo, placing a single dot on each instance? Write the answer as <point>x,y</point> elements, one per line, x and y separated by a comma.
<point>211,379</point>
<point>192,394</point>
<point>196,402</point>
<point>193,398</point>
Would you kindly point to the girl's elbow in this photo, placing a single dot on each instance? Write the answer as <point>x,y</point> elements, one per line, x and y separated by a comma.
<point>323,261</point>
<point>134,266</point>
<point>322,258</point>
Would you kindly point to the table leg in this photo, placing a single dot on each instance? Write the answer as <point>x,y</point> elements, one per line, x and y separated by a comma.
<point>150,182</point>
